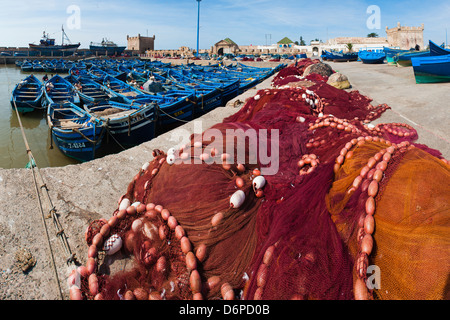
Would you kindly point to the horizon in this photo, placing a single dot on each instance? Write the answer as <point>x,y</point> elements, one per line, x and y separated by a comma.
<point>254,22</point>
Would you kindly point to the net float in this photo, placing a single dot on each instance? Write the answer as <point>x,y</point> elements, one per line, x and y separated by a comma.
<point>137,225</point>
<point>104,230</point>
<point>171,151</point>
<point>93,284</point>
<point>165,214</point>
<point>140,294</point>
<point>97,240</point>
<point>268,255</point>
<point>179,232</point>
<point>131,210</point>
<point>145,166</point>
<point>129,295</point>
<point>185,245</point>
<point>191,261</point>
<point>360,290</point>
<point>170,159</point>
<point>124,204</point>
<point>227,291</point>
<point>75,293</point>
<point>113,244</point>
<point>200,253</point>
<point>239,182</point>
<point>373,188</point>
<point>370,206</point>
<point>217,219</point>
<point>92,251</point>
<point>261,275</point>
<point>172,222</point>
<point>113,221</point>
<point>258,294</point>
<point>237,199</point>
<point>213,282</point>
<point>195,281</point>
<point>367,244</point>
<point>91,265</point>
<point>369,224</point>
<point>256,172</point>
<point>161,264</point>
<point>259,182</point>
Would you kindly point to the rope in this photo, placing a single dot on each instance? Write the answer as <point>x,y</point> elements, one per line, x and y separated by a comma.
<point>52,212</point>
<point>181,120</point>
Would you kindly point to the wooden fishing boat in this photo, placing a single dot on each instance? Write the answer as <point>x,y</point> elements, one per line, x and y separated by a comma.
<point>431,69</point>
<point>99,75</point>
<point>436,50</point>
<point>59,90</point>
<point>122,89</point>
<point>404,58</point>
<point>127,124</point>
<point>76,133</point>
<point>174,106</point>
<point>372,57</point>
<point>391,54</point>
<point>27,66</point>
<point>207,97</point>
<point>91,91</point>
<point>341,57</point>
<point>27,95</point>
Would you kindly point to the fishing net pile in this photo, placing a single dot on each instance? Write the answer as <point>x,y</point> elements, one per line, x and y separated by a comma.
<point>353,210</point>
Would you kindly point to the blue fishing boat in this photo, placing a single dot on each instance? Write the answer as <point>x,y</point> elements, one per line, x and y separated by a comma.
<point>174,106</point>
<point>127,124</point>
<point>27,66</point>
<point>75,132</point>
<point>59,90</point>
<point>207,97</point>
<point>341,56</point>
<point>431,69</point>
<point>27,95</point>
<point>122,89</point>
<point>436,50</point>
<point>372,57</point>
<point>37,66</point>
<point>91,91</point>
<point>403,59</point>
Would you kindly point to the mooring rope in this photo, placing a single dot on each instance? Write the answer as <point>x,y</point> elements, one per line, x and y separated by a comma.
<point>52,211</point>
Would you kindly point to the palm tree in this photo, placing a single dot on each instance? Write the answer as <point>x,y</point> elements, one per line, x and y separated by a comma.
<point>349,47</point>
<point>372,35</point>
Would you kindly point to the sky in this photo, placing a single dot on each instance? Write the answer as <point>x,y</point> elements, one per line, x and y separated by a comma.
<point>250,22</point>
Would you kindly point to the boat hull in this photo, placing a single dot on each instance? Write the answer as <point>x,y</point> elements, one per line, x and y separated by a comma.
<point>27,96</point>
<point>432,69</point>
<point>80,142</point>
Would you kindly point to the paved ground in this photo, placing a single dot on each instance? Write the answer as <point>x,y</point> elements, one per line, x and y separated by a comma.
<point>89,191</point>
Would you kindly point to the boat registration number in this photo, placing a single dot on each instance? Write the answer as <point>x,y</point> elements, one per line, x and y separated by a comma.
<point>76,145</point>
<point>178,113</point>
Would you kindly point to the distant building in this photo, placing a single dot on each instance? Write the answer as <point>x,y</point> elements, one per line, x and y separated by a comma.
<point>225,46</point>
<point>141,44</point>
<point>405,37</point>
<point>285,43</point>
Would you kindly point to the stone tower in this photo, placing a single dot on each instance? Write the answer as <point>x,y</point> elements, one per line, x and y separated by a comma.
<point>405,37</point>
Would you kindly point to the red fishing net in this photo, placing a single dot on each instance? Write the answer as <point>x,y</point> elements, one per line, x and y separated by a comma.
<point>348,201</point>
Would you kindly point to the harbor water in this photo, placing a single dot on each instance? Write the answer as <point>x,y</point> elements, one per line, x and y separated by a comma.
<point>12,146</point>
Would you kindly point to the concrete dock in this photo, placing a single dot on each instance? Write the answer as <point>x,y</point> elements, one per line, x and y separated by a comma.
<point>85,192</point>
